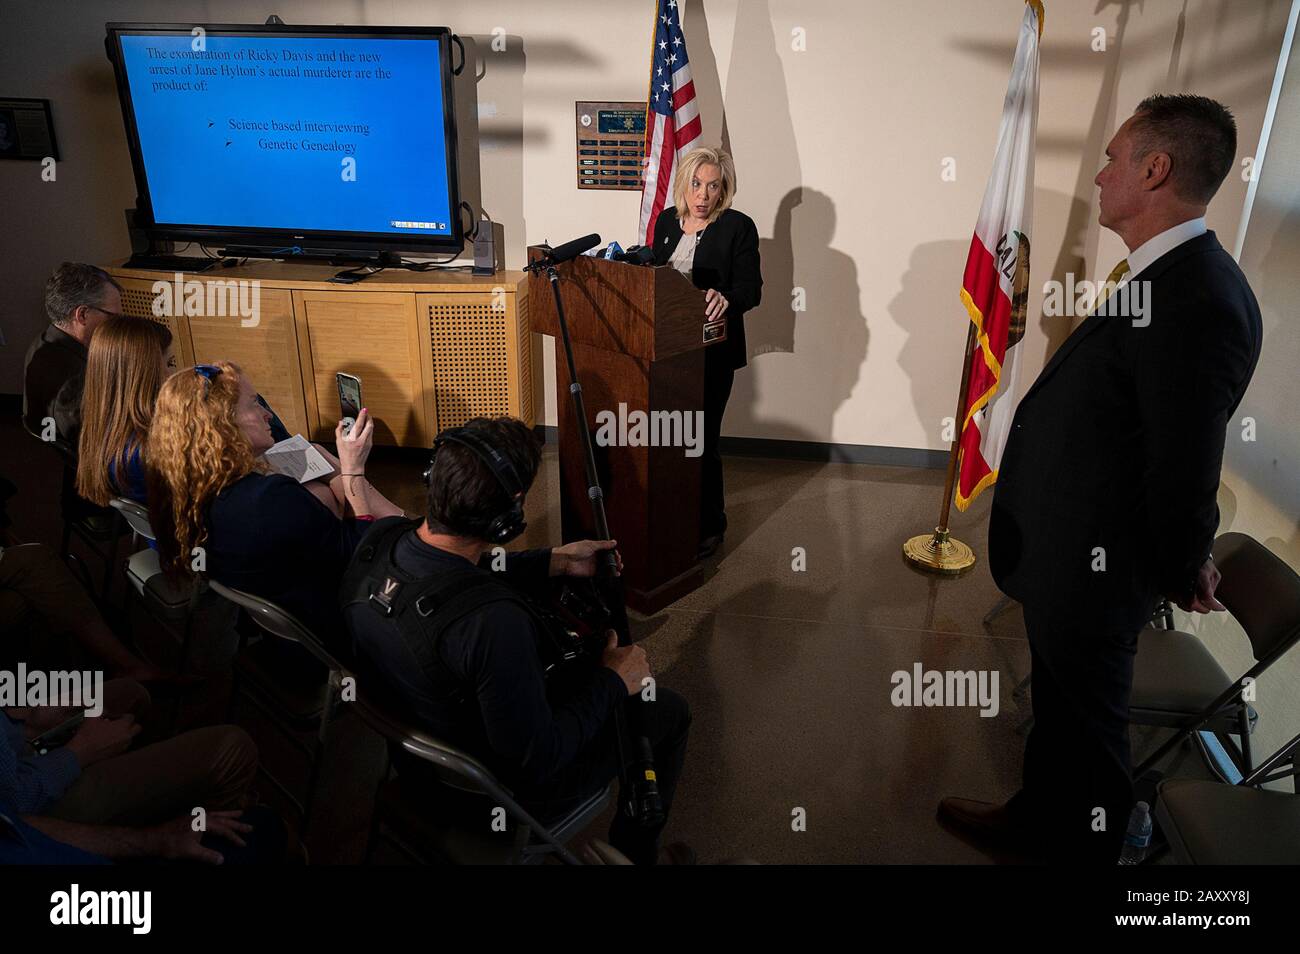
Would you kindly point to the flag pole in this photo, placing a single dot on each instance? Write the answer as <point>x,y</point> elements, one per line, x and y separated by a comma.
<point>938,552</point>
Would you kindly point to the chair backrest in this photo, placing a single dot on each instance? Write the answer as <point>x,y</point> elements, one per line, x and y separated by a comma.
<point>67,452</point>
<point>458,770</point>
<point>136,516</point>
<point>452,766</point>
<point>278,622</point>
<point>1261,592</point>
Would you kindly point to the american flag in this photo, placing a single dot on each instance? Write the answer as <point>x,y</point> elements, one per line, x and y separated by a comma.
<point>673,126</point>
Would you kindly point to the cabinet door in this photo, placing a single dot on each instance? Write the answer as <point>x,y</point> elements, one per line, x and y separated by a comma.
<point>372,335</point>
<point>477,355</point>
<point>137,301</point>
<point>265,346</point>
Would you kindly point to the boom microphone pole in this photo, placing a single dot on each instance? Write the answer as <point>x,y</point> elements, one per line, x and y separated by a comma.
<point>644,804</point>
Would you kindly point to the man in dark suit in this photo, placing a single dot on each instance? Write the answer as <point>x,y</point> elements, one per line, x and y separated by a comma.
<point>78,298</point>
<point>1105,498</point>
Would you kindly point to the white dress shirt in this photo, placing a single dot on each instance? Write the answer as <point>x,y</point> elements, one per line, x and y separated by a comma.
<point>683,257</point>
<point>1168,240</point>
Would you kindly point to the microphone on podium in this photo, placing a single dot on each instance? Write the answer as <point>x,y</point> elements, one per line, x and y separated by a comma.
<point>563,253</point>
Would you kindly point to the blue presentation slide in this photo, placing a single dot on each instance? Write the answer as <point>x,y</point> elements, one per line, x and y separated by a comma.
<point>310,134</point>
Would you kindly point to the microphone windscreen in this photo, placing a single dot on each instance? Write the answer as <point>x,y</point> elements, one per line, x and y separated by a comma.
<point>571,250</point>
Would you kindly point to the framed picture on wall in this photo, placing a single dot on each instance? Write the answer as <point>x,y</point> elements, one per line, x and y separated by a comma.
<point>26,129</point>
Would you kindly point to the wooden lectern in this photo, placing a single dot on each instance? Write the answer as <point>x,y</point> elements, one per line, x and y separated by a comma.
<point>638,340</point>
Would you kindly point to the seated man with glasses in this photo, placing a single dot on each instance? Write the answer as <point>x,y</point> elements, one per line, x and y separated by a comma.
<point>78,298</point>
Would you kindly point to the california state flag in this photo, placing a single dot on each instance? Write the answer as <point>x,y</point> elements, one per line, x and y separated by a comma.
<point>996,284</point>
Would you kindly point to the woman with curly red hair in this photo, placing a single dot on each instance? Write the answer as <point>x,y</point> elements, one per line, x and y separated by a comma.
<point>216,507</point>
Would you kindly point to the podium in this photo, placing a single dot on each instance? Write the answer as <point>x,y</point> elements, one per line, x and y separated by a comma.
<point>638,338</point>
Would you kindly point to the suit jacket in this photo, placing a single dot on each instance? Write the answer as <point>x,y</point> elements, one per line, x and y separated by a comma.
<point>726,258</point>
<point>1119,442</point>
<point>54,374</point>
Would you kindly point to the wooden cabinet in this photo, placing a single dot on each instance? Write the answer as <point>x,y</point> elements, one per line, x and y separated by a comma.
<point>432,349</point>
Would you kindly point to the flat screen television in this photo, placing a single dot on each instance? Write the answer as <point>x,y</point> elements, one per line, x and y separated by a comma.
<point>291,139</point>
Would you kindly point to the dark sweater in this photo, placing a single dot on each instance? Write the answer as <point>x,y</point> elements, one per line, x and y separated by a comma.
<point>54,374</point>
<point>267,535</point>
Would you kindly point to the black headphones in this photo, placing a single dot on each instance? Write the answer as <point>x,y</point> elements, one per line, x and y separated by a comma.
<point>509,524</point>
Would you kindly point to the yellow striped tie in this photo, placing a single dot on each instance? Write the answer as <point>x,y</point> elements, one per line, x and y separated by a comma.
<point>1103,293</point>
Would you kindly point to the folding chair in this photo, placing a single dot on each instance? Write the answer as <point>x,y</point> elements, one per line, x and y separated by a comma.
<point>1163,614</point>
<point>293,709</point>
<point>410,814</point>
<point>98,528</point>
<point>1209,823</point>
<point>170,602</point>
<point>1178,683</point>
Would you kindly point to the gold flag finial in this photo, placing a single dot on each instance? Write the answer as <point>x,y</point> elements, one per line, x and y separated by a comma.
<point>1038,9</point>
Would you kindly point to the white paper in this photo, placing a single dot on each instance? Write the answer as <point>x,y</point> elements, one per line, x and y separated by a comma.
<point>297,458</point>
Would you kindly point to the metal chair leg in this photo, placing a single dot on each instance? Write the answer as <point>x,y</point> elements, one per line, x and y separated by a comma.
<point>317,755</point>
<point>110,559</point>
<point>1243,723</point>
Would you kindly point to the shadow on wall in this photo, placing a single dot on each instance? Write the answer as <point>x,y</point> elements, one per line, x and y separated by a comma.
<point>831,332</point>
<point>755,75</point>
<point>704,74</point>
<point>465,98</point>
<point>490,116</point>
<point>797,258</point>
<point>489,100</point>
<point>1082,232</point>
<point>934,387</point>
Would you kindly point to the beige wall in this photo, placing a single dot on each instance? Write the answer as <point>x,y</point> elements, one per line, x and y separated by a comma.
<point>838,147</point>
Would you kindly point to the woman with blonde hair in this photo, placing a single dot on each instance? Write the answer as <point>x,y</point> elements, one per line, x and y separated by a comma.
<point>125,367</point>
<point>715,246</point>
<point>216,506</point>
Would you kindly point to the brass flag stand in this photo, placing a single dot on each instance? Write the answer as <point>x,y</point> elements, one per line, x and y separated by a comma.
<point>938,552</point>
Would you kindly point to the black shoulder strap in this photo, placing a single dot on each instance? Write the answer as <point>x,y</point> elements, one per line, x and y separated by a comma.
<point>420,609</point>
<point>373,558</point>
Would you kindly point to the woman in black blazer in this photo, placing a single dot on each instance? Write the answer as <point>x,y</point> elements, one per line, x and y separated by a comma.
<point>717,247</point>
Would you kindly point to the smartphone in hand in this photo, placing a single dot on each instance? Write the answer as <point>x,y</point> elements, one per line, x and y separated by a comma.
<point>349,399</point>
<point>60,735</point>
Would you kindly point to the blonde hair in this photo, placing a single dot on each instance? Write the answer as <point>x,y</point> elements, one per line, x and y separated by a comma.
<point>123,375</point>
<point>690,164</point>
<point>196,449</point>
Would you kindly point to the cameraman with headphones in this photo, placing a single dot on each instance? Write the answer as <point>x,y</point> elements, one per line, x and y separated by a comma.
<point>446,621</point>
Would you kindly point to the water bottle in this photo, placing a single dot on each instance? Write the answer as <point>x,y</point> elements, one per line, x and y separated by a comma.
<point>1138,837</point>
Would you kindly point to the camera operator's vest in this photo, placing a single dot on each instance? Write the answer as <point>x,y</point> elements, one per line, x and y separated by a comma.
<point>422,609</point>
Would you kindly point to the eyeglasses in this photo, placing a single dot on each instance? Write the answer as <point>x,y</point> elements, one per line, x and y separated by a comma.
<point>207,372</point>
<point>105,311</point>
